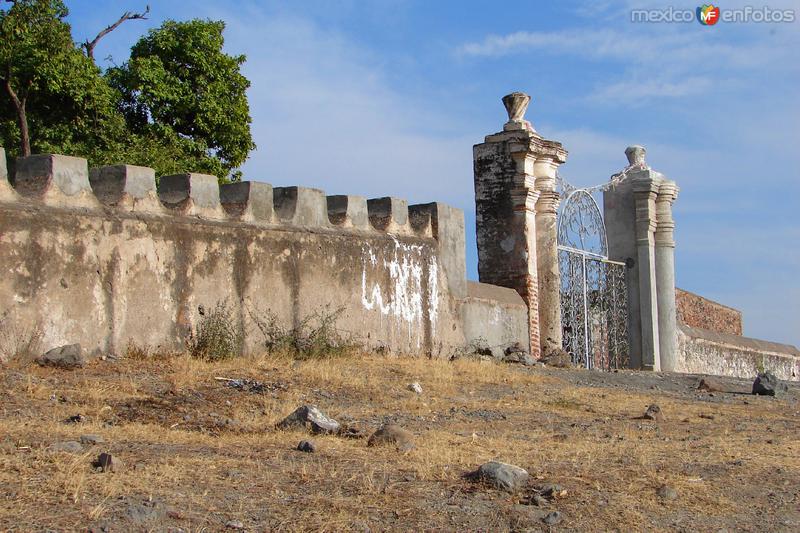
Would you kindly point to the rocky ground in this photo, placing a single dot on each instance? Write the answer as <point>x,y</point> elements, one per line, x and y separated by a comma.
<point>193,446</point>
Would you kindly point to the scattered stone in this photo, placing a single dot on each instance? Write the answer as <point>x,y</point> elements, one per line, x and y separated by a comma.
<point>108,463</point>
<point>707,417</point>
<point>351,432</point>
<point>557,357</point>
<point>415,387</point>
<point>710,385</point>
<point>69,446</point>
<point>252,385</point>
<point>310,417</point>
<point>146,511</point>
<point>665,492</point>
<point>516,353</point>
<point>653,413</point>
<point>234,524</point>
<point>552,519</point>
<point>76,419</point>
<point>539,500</point>
<point>91,439</point>
<point>306,446</point>
<point>502,476</point>
<point>766,384</point>
<point>392,434</point>
<point>551,490</point>
<point>68,357</point>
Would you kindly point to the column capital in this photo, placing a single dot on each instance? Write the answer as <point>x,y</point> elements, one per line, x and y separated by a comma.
<point>668,191</point>
<point>548,202</point>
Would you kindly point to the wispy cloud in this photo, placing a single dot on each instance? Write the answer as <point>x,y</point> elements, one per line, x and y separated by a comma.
<point>658,62</point>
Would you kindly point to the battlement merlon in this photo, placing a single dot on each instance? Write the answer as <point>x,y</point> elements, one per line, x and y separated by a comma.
<point>64,181</point>
<point>67,182</point>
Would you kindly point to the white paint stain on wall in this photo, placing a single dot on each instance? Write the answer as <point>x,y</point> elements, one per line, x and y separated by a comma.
<point>404,297</point>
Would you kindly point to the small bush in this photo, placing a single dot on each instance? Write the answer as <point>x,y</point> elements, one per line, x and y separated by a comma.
<point>314,337</point>
<point>219,335</point>
<point>18,342</point>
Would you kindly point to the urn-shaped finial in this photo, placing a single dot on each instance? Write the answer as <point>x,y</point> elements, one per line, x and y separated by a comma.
<point>635,155</point>
<point>516,105</point>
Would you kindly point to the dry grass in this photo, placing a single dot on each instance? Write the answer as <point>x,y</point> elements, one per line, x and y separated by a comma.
<point>190,467</point>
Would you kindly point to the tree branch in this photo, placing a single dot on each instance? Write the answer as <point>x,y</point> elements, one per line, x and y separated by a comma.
<point>89,45</point>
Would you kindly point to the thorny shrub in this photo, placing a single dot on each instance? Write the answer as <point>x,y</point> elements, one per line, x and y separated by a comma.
<point>314,337</point>
<point>219,335</point>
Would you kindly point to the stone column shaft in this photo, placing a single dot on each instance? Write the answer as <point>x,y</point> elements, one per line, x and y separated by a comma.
<point>665,276</point>
<point>644,190</point>
<point>547,253</point>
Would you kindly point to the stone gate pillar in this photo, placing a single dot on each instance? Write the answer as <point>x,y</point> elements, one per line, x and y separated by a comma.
<point>665,275</point>
<point>638,216</point>
<point>516,204</point>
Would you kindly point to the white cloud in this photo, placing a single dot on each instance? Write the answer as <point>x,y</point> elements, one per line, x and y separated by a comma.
<point>657,60</point>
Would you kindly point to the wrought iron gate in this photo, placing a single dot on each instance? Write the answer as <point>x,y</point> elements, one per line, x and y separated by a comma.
<point>594,307</point>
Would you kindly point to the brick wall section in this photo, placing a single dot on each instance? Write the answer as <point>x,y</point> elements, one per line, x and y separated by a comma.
<point>698,312</point>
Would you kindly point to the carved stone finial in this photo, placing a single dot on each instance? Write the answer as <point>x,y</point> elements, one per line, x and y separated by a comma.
<point>635,155</point>
<point>516,104</point>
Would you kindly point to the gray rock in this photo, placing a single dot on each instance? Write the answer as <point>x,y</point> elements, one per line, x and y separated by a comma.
<point>415,387</point>
<point>68,357</point>
<point>108,463</point>
<point>234,524</point>
<point>710,385</point>
<point>306,446</point>
<point>392,434</point>
<point>502,476</point>
<point>309,417</point>
<point>145,512</point>
<point>69,446</point>
<point>539,500</point>
<point>653,413</point>
<point>553,518</point>
<point>766,384</point>
<point>665,492</point>
<point>518,354</point>
<point>75,419</point>
<point>557,357</point>
<point>91,439</point>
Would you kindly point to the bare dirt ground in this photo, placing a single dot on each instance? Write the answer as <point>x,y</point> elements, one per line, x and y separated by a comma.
<point>200,455</point>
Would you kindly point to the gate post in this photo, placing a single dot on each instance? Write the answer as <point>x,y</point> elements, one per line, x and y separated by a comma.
<point>630,215</point>
<point>665,275</point>
<point>516,204</point>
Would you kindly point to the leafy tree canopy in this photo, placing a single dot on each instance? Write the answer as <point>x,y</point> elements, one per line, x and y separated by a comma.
<point>178,104</point>
<point>49,87</point>
<point>180,87</point>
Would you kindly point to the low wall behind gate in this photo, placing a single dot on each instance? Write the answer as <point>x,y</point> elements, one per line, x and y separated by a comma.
<point>106,259</point>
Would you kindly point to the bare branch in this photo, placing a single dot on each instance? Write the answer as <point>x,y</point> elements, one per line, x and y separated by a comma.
<point>89,45</point>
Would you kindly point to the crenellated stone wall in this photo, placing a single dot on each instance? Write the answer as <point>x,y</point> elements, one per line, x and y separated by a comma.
<point>103,257</point>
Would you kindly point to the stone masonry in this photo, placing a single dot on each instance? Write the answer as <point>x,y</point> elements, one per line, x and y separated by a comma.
<point>516,205</point>
<point>106,258</point>
<point>698,312</point>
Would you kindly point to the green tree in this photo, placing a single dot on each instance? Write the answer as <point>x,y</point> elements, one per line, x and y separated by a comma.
<point>55,97</point>
<point>180,90</point>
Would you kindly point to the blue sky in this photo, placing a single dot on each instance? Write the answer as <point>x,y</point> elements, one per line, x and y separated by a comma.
<point>387,98</point>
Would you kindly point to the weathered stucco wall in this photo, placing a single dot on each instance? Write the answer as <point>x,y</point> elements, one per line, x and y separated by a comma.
<point>494,317</point>
<point>108,259</point>
<point>723,354</point>
<point>698,312</point>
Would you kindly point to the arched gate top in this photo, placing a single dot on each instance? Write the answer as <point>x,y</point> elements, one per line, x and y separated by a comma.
<point>580,225</point>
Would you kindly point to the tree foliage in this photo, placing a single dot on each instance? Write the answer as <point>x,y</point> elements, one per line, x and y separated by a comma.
<point>179,103</point>
<point>180,87</point>
<point>51,88</point>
